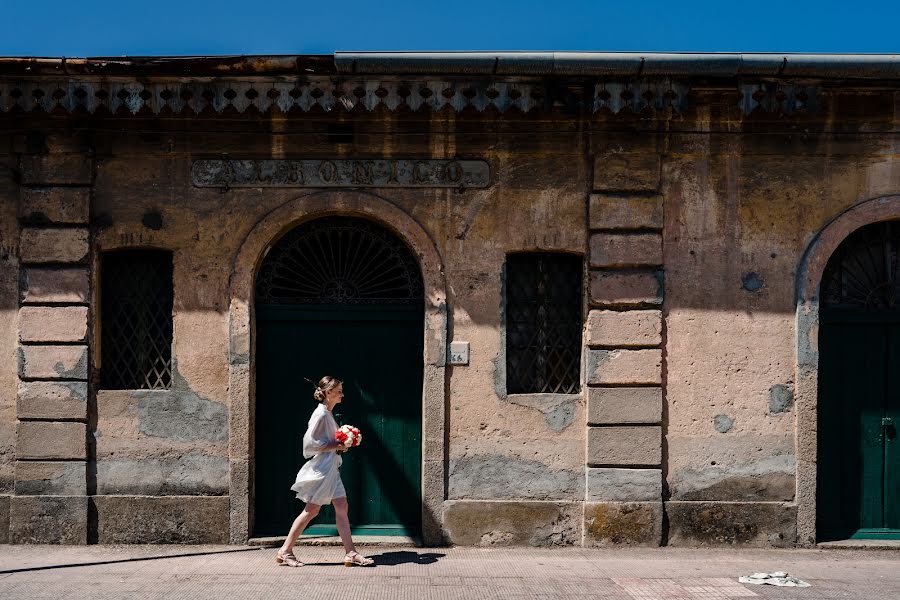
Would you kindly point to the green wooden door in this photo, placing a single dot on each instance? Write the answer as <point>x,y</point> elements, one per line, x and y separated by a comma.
<point>377,352</point>
<point>859,410</point>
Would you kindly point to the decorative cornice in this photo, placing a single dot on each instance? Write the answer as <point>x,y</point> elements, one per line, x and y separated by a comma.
<point>124,97</point>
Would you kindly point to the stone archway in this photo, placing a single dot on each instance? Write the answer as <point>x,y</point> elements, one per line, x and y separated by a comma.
<point>809,277</point>
<point>242,345</point>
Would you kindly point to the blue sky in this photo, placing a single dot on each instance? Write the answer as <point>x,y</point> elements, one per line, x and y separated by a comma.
<point>165,27</point>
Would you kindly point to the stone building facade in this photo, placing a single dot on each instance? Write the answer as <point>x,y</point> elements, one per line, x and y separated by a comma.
<point>698,199</point>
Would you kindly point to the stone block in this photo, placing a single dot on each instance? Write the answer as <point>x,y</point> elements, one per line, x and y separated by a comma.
<point>52,400</point>
<point>624,367</point>
<point>763,524</point>
<point>625,212</point>
<point>4,519</point>
<point>53,245</point>
<point>626,288</point>
<point>617,172</point>
<point>162,520</point>
<point>635,446</point>
<point>48,520</point>
<point>47,440</point>
<point>623,524</point>
<point>129,472</point>
<point>479,523</point>
<point>606,484</point>
<point>55,285</point>
<point>626,250</point>
<point>67,205</point>
<point>53,362</point>
<point>624,329</point>
<point>56,169</point>
<point>46,478</point>
<point>617,405</point>
<point>53,323</point>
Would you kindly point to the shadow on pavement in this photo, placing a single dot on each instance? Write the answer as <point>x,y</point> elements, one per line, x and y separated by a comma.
<point>405,557</point>
<point>123,560</point>
<point>389,559</point>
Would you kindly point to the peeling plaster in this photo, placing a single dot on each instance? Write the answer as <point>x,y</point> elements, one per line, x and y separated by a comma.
<point>723,423</point>
<point>764,479</point>
<point>181,415</point>
<point>781,398</point>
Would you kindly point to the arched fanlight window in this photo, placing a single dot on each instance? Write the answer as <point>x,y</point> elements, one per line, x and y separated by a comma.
<point>340,261</point>
<point>863,274</point>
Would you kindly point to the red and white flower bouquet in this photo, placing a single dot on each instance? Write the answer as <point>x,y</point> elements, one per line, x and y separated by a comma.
<point>348,435</point>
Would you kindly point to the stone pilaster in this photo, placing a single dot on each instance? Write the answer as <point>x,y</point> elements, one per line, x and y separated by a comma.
<point>51,505</point>
<point>624,358</point>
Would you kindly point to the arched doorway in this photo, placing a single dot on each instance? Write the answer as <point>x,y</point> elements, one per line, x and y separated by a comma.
<point>341,296</point>
<point>858,462</point>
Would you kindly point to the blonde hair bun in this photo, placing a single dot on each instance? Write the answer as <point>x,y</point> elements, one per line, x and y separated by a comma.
<point>325,384</point>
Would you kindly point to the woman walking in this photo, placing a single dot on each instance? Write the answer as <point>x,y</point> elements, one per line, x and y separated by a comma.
<point>319,480</point>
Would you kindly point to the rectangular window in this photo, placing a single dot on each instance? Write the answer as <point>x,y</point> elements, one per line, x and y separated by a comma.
<point>136,319</point>
<point>543,323</point>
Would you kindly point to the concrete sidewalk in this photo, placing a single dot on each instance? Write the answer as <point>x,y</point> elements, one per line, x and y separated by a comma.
<point>217,572</point>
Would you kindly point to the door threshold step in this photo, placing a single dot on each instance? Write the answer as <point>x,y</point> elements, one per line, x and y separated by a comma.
<point>333,540</point>
<point>860,544</point>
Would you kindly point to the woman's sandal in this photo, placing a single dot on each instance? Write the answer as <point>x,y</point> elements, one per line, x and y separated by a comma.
<point>355,558</point>
<point>287,558</point>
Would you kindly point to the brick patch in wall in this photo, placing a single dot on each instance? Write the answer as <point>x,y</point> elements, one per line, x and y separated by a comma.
<point>48,285</point>
<point>615,171</point>
<point>624,367</point>
<point>66,205</point>
<point>53,323</point>
<point>625,212</point>
<point>53,362</point>
<point>52,400</point>
<point>624,329</point>
<point>53,245</point>
<point>626,288</point>
<point>615,405</point>
<point>56,169</point>
<point>48,520</point>
<point>623,524</point>
<point>626,250</point>
<point>625,445</point>
<point>51,478</point>
<point>612,484</point>
<point>48,440</point>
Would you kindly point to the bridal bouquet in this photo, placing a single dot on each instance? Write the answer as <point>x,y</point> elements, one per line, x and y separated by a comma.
<point>348,435</point>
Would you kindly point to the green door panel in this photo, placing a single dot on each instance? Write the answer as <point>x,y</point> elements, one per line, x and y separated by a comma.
<point>858,461</point>
<point>891,432</point>
<point>377,352</point>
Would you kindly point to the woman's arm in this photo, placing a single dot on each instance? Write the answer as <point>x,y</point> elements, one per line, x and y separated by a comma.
<point>318,439</point>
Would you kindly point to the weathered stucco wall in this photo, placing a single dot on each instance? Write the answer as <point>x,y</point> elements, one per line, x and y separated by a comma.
<point>740,214</point>
<point>693,227</point>
<point>9,291</point>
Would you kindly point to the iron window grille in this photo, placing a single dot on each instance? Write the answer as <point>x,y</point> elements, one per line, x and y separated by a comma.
<point>543,323</point>
<point>863,274</point>
<point>136,319</point>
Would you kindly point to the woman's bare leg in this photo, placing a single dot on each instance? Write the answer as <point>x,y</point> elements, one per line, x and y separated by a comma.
<point>309,513</point>
<point>343,523</point>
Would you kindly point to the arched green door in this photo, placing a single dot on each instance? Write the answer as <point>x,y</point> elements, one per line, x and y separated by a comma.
<point>858,492</point>
<point>342,297</point>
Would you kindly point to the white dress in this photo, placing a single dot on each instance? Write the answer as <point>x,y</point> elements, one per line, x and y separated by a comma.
<point>319,480</point>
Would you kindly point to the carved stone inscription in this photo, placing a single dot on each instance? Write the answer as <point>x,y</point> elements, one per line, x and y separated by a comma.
<point>340,173</point>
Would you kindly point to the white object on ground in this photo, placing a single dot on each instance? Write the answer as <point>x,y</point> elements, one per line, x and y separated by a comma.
<point>779,578</point>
